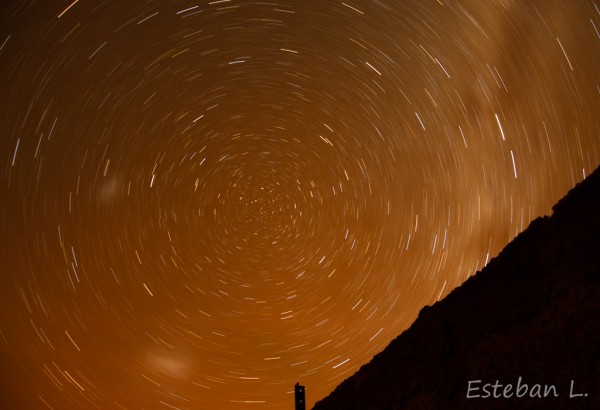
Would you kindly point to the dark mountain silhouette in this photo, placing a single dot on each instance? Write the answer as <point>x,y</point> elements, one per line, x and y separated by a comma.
<point>533,312</point>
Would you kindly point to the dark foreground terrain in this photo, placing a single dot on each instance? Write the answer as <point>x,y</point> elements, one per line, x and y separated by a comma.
<point>530,319</point>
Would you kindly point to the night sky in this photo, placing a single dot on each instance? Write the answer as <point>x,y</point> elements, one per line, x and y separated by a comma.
<point>204,202</point>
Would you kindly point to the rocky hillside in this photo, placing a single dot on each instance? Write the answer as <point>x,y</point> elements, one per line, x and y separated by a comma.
<point>527,325</point>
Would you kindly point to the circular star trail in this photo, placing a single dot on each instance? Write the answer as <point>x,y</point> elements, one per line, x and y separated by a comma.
<point>204,202</point>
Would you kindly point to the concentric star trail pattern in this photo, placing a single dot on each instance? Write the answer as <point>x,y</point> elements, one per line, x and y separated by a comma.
<point>204,202</point>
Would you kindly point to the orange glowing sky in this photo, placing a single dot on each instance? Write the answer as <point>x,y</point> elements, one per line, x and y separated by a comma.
<point>204,202</point>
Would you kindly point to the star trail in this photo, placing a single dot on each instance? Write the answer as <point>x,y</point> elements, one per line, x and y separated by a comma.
<point>205,202</point>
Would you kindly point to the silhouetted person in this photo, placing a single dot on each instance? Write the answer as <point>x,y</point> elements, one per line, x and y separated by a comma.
<point>300,401</point>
